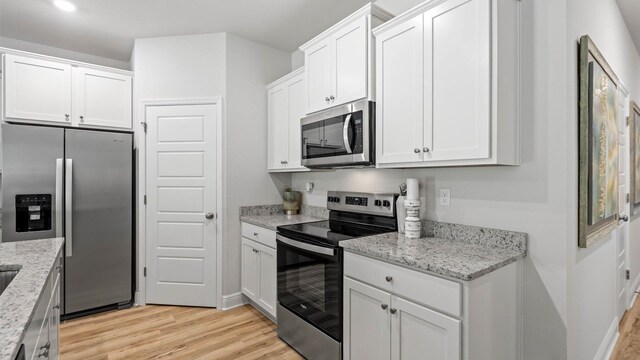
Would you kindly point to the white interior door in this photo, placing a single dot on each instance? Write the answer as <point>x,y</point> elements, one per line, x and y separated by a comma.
<point>623,284</point>
<point>181,201</point>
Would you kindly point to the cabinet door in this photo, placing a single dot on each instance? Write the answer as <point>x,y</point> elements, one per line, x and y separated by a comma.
<point>250,266</point>
<point>296,112</point>
<point>349,70</point>
<point>367,328</point>
<point>457,64</point>
<point>279,127</point>
<point>421,333</point>
<point>318,70</point>
<point>54,320</point>
<point>400,117</point>
<point>101,99</point>
<point>37,90</point>
<point>268,281</point>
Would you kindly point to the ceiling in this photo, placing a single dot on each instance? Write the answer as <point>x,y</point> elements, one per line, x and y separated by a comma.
<point>630,10</point>
<point>108,28</point>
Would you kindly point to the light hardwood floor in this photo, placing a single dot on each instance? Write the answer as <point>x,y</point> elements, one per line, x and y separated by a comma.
<point>171,332</point>
<point>628,345</point>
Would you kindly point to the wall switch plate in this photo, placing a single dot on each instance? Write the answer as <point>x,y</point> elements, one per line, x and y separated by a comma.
<point>445,197</point>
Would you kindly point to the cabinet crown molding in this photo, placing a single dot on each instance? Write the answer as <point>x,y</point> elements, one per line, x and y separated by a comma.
<point>286,78</point>
<point>369,9</point>
<point>73,63</point>
<point>409,14</point>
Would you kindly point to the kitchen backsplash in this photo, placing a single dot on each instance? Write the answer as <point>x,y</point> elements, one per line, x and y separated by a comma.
<point>309,210</point>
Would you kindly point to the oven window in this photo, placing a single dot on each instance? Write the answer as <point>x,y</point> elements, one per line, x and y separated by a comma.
<point>326,138</point>
<point>310,285</point>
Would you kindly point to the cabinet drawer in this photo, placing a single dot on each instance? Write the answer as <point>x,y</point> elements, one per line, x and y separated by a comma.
<point>256,233</point>
<point>432,291</point>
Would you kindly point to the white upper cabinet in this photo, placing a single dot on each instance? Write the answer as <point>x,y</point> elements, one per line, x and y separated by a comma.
<point>399,133</point>
<point>286,104</point>
<point>101,98</point>
<point>39,90</point>
<point>447,85</point>
<point>339,61</point>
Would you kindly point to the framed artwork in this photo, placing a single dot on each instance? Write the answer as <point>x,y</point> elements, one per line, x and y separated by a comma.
<point>598,146</point>
<point>634,156</point>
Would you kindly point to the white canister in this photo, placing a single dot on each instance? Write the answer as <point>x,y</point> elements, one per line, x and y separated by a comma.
<point>412,234</point>
<point>413,189</point>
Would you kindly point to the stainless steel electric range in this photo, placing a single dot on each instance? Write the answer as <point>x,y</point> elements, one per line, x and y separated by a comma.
<point>310,268</point>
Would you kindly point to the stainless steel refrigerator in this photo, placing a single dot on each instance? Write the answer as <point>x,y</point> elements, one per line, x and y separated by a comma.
<point>78,184</point>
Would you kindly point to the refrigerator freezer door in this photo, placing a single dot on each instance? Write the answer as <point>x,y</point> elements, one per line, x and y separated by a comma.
<point>31,160</point>
<point>99,272</point>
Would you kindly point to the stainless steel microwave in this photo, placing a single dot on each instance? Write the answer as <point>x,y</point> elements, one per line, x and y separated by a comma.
<point>342,136</point>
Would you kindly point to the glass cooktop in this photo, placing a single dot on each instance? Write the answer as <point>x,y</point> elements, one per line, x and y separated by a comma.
<point>330,231</point>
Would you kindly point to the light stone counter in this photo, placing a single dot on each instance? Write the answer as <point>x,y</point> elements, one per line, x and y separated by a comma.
<point>34,259</point>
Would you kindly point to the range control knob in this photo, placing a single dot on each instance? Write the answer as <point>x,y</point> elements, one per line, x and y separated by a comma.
<point>386,203</point>
<point>377,203</point>
<point>336,199</point>
<point>329,199</point>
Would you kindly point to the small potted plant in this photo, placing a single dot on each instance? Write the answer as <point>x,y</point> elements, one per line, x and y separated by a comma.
<point>400,207</point>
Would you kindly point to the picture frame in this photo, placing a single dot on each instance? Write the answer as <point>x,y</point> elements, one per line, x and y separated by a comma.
<point>634,157</point>
<point>598,166</point>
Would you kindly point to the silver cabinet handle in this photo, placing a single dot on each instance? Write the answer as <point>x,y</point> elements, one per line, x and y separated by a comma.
<point>46,346</point>
<point>66,117</point>
<point>393,311</point>
<point>81,118</point>
<point>416,150</point>
<point>384,306</point>
<point>255,234</point>
<point>256,251</point>
<point>426,149</point>
<point>59,195</point>
<point>68,199</point>
<point>56,306</point>
<point>345,134</point>
<point>388,278</point>
<point>332,97</point>
<point>209,216</point>
<point>624,218</point>
<point>326,99</point>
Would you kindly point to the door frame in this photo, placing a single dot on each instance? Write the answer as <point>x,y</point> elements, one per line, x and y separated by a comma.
<point>141,211</point>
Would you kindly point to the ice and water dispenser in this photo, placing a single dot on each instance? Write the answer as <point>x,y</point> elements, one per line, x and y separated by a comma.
<point>33,212</point>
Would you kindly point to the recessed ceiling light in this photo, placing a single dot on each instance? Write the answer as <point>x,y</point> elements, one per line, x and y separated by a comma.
<point>64,5</point>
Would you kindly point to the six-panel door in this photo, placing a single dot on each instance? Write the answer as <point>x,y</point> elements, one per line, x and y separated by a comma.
<point>366,325</point>
<point>37,90</point>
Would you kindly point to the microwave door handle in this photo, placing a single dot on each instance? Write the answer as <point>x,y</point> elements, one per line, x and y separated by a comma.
<point>345,134</point>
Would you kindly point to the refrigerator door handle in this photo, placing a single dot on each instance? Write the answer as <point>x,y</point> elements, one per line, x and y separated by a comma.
<point>68,216</point>
<point>59,192</point>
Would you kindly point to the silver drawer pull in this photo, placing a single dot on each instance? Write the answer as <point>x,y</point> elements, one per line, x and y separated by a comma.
<point>393,311</point>
<point>384,306</point>
<point>255,234</point>
<point>388,278</point>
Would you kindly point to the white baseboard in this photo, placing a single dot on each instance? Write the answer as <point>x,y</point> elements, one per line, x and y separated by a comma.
<point>609,342</point>
<point>232,301</point>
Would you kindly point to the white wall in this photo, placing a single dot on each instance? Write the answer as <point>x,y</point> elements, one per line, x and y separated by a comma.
<point>592,272</point>
<point>531,198</point>
<point>222,64</point>
<point>62,53</point>
<point>250,67</point>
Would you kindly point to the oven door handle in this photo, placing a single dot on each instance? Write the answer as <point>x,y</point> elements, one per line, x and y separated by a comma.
<point>304,246</point>
<point>345,134</point>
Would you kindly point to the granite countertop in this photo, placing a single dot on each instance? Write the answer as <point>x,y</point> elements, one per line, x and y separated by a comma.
<point>272,221</point>
<point>452,258</point>
<point>34,259</point>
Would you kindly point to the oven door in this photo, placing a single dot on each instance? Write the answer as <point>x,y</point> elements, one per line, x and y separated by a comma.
<point>310,283</point>
<point>338,136</point>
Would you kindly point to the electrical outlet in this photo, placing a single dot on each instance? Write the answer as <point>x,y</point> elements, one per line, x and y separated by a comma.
<point>445,197</point>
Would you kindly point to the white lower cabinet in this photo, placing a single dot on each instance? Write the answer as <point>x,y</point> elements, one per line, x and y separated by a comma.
<point>379,325</point>
<point>259,280</point>
<point>41,339</point>
<point>392,312</point>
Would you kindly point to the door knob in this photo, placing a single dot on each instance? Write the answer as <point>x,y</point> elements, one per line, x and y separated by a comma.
<point>624,218</point>
<point>209,216</point>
